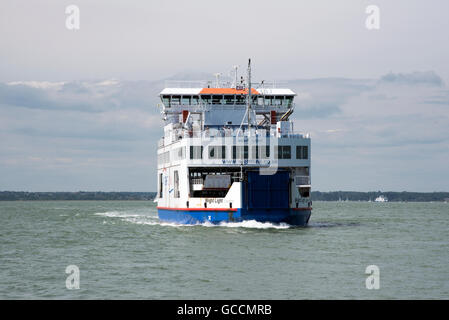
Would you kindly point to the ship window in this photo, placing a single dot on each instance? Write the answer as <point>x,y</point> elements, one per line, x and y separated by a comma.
<point>255,152</point>
<point>166,100</point>
<point>180,153</point>
<point>196,152</point>
<point>176,184</point>
<point>229,99</point>
<point>304,192</point>
<point>254,100</point>
<point>302,152</point>
<point>239,152</point>
<point>268,100</point>
<point>217,99</point>
<point>240,99</point>
<point>284,152</point>
<point>264,152</point>
<point>186,100</point>
<point>175,100</point>
<point>289,101</point>
<point>206,99</point>
<point>160,185</point>
<point>195,100</point>
<point>163,157</point>
<point>278,100</point>
<point>217,152</point>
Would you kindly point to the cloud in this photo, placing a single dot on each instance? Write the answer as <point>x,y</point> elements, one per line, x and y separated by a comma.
<point>384,135</point>
<point>364,132</point>
<point>83,96</point>
<point>324,97</point>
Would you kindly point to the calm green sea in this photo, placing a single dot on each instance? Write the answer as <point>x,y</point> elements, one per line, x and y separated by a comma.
<point>123,251</point>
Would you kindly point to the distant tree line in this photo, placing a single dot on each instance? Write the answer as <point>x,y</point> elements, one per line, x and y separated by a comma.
<point>80,195</point>
<point>391,196</point>
<point>316,195</point>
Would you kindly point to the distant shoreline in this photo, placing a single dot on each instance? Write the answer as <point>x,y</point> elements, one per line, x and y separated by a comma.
<point>316,195</point>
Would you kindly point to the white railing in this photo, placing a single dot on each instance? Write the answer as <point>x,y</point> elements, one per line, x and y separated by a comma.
<point>302,180</point>
<point>296,134</point>
<point>221,84</point>
<point>230,132</point>
<point>197,181</point>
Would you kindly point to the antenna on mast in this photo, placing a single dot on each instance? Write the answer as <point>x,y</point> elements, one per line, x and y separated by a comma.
<point>217,77</point>
<point>236,67</point>
<point>249,100</point>
<point>249,94</point>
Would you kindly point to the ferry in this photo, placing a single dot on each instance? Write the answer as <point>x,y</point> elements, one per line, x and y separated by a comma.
<point>229,153</point>
<point>381,198</point>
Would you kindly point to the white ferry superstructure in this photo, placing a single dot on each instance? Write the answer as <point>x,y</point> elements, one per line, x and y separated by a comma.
<point>229,153</point>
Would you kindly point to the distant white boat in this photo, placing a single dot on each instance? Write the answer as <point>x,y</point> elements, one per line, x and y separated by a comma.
<point>381,199</point>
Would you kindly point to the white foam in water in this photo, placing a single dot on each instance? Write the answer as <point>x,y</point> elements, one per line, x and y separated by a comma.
<point>252,224</point>
<point>154,220</point>
<point>137,218</point>
<point>117,214</point>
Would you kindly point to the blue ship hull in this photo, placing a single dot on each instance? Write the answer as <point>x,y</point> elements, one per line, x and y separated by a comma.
<point>295,217</point>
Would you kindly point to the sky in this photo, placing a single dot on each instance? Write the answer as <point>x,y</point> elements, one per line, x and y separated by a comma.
<point>78,107</point>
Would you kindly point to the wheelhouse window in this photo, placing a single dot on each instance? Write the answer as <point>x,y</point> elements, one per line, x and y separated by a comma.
<point>268,100</point>
<point>289,101</point>
<point>254,99</point>
<point>175,100</point>
<point>166,100</point>
<point>186,100</point>
<point>229,99</point>
<point>217,99</point>
<point>195,100</point>
<point>206,99</point>
<point>278,100</point>
<point>240,99</point>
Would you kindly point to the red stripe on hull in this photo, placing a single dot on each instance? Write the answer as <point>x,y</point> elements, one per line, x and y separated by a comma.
<point>198,209</point>
<point>215,209</point>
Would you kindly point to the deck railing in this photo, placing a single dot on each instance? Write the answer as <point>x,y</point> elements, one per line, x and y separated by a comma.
<point>302,180</point>
<point>272,84</point>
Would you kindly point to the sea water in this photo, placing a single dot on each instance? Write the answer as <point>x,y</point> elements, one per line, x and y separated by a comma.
<point>123,251</point>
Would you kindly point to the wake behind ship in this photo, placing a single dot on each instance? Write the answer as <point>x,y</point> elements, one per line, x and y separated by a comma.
<point>229,153</point>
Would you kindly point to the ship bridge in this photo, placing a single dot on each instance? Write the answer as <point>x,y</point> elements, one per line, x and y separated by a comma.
<point>226,106</point>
